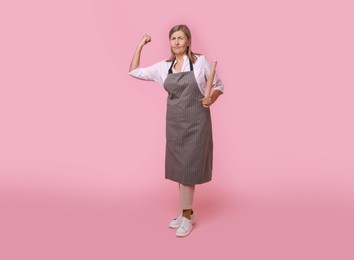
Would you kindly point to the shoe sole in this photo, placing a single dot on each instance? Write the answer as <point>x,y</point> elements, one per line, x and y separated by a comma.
<point>174,227</point>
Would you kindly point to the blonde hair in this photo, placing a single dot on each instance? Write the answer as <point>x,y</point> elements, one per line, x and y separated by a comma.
<point>182,27</point>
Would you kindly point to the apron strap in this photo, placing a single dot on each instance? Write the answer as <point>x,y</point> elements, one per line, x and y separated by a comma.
<point>173,62</point>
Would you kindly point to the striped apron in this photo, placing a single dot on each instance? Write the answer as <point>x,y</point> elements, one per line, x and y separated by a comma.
<point>189,141</point>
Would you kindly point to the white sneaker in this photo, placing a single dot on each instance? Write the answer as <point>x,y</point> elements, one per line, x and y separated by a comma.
<point>185,228</point>
<point>176,223</point>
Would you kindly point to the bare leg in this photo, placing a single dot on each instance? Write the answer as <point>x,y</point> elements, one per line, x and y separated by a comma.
<point>186,197</point>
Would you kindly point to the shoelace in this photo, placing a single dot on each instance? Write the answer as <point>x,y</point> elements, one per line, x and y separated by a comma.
<point>184,224</point>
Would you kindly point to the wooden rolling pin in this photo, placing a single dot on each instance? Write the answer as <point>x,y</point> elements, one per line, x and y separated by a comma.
<point>210,80</point>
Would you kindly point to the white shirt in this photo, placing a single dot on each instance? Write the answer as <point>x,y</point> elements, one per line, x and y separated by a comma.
<point>158,72</point>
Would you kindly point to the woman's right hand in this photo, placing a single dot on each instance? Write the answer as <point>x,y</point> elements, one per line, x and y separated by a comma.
<point>146,39</point>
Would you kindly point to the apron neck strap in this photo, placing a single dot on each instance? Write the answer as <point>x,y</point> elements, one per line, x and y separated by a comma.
<point>173,62</point>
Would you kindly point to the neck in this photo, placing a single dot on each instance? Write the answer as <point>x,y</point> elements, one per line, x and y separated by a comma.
<point>179,57</point>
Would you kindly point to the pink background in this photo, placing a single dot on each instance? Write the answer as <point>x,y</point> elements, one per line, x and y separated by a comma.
<point>82,143</point>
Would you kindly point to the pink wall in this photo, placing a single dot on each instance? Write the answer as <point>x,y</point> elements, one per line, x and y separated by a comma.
<point>284,122</point>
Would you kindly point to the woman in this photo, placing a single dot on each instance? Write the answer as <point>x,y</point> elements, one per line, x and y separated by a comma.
<point>189,143</point>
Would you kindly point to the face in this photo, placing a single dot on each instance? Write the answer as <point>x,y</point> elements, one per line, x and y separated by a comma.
<point>179,43</point>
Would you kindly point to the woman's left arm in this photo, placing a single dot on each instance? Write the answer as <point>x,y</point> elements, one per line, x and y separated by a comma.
<point>214,96</point>
<point>207,102</point>
<point>217,88</point>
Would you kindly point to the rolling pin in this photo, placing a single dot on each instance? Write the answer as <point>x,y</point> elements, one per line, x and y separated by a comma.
<point>210,80</point>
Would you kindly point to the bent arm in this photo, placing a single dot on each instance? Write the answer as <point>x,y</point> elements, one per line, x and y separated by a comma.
<point>136,58</point>
<point>214,96</point>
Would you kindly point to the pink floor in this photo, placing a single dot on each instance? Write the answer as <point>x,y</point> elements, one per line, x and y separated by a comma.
<point>58,223</point>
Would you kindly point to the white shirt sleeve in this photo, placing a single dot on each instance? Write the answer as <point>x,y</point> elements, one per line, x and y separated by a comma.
<point>217,83</point>
<point>151,73</point>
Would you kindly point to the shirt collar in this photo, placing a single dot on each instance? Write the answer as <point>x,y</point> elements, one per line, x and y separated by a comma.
<point>185,63</point>
<point>185,57</point>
